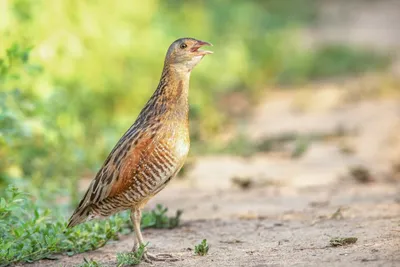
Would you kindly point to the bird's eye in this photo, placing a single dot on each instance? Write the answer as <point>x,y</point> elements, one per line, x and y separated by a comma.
<point>183,46</point>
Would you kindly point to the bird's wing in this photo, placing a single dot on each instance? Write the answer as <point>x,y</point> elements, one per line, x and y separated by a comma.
<point>117,173</point>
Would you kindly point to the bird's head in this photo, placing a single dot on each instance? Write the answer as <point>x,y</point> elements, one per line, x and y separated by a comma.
<point>184,53</point>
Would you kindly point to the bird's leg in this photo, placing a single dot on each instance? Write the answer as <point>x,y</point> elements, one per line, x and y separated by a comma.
<point>136,243</point>
<point>136,215</point>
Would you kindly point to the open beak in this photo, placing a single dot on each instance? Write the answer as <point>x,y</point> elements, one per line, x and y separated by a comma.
<point>195,48</point>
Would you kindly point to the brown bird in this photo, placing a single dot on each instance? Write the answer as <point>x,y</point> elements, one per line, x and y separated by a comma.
<point>152,150</point>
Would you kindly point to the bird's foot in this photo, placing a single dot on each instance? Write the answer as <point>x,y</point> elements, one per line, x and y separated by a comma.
<point>148,257</point>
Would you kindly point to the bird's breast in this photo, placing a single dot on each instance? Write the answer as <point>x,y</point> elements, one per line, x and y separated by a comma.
<point>177,136</point>
<point>181,148</point>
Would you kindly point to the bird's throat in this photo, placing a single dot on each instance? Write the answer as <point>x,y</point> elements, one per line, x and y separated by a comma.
<point>173,92</point>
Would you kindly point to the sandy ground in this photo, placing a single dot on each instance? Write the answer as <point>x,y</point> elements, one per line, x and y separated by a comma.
<point>273,227</point>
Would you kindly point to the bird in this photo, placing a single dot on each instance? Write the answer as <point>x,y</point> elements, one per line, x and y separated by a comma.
<point>152,150</point>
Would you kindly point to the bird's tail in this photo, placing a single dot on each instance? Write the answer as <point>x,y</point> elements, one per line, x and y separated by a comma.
<point>81,214</point>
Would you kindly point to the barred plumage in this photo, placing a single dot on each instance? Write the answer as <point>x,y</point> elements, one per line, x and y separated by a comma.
<point>152,150</point>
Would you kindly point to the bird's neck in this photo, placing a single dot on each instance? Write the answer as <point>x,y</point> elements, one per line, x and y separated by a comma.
<point>174,85</point>
<point>172,94</point>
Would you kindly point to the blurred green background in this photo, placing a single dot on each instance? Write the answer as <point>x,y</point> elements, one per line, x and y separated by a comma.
<point>74,74</point>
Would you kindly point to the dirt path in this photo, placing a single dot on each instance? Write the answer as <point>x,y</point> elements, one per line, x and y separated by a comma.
<point>273,227</point>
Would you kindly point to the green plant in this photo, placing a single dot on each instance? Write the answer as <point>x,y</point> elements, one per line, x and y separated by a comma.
<point>90,263</point>
<point>301,146</point>
<point>131,258</point>
<point>28,127</point>
<point>15,64</point>
<point>157,218</point>
<point>202,248</point>
<point>339,60</point>
<point>331,60</point>
<point>29,232</point>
